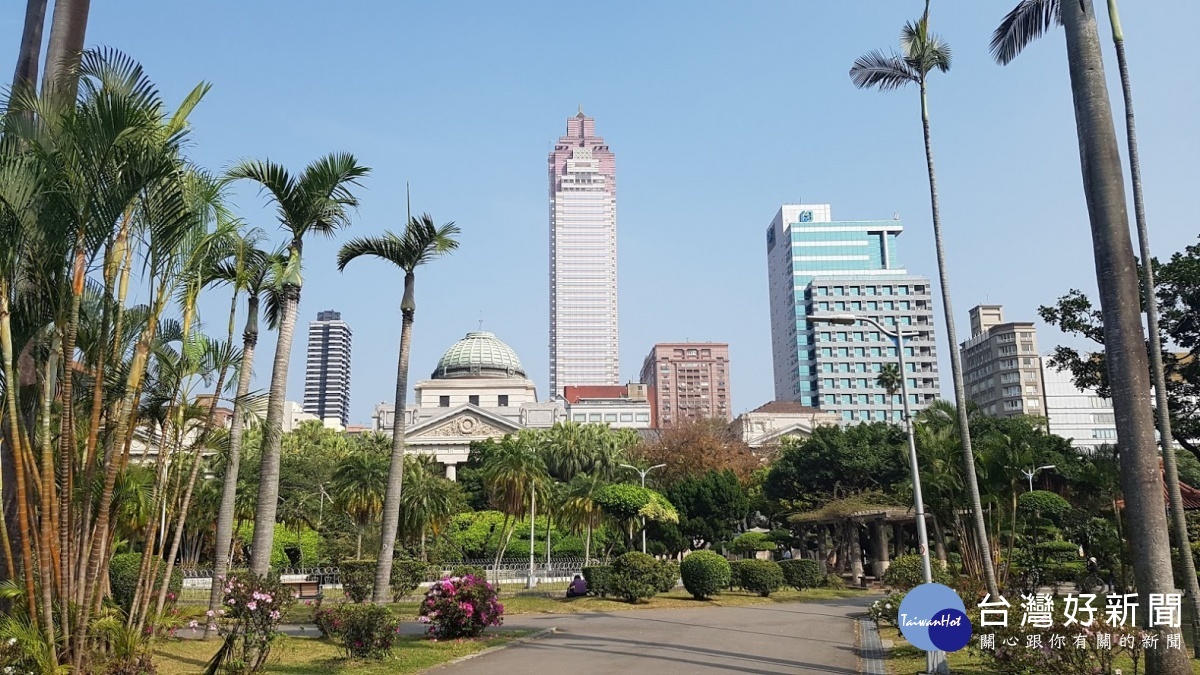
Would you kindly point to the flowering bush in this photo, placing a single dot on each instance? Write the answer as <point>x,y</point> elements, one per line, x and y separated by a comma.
<point>248,621</point>
<point>460,607</point>
<point>363,630</point>
<point>886,609</point>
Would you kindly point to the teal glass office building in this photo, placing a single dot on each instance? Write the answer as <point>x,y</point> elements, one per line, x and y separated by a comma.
<point>817,265</point>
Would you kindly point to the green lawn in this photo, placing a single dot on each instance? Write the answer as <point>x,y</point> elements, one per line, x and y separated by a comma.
<point>306,656</point>
<point>556,604</point>
<point>904,659</point>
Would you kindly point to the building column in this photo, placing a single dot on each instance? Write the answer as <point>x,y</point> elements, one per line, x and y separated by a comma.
<point>855,551</point>
<point>822,552</point>
<point>451,471</point>
<point>897,539</point>
<point>882,559</point>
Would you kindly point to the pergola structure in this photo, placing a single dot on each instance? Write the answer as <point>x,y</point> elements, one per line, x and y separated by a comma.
<point>840,538</point>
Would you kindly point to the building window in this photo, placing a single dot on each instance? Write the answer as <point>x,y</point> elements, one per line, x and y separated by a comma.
<point>443,401</point>
<point>473,399</point>
<point>579,417</point>
<point>595,417</point>
<point>502,400</point>
<point>643,417</point>
<point>610,417</point>
<point>626,417</point>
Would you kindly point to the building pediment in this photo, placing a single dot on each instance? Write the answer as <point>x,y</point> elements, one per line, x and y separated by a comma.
<point>796,429</point>
<point>466,422</point>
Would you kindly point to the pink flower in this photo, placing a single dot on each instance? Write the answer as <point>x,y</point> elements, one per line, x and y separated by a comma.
<point>209,613</point>
<point>251,605</point>
<point>275,615</point>
<point>193,624</point>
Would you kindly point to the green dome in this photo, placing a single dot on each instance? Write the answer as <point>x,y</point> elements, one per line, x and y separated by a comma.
<point>479,354</point>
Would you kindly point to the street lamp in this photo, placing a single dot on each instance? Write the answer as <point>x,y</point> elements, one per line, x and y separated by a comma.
<point>1033,472</point>
<point>935,662</point>
<point>643,473</point>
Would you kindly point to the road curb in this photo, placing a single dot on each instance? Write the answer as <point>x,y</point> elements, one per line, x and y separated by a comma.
<point>491,650</point>
<point>871,651</point>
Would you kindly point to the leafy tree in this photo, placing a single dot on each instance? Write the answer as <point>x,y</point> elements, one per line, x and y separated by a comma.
<point>710,506</point>
<point>835,462</point>
<point>428,502</point>
<point>358,486</point>
<point>695,448</point>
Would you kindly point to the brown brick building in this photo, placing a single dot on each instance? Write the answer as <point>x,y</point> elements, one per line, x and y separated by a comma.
<point>690,381</point>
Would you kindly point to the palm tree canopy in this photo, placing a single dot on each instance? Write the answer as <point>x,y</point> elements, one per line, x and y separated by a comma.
<point>921,52</point>
<point>358,484</point>
<point>421,242</point>
<point>318,201</point>
<point>1027,22</point>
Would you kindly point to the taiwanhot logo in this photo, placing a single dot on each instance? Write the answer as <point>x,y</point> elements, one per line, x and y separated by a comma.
<point>932,617</point>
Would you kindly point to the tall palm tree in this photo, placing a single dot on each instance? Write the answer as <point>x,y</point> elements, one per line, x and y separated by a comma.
<point>923,52</point>
<point>580,512</point>
<point>68,26</point>
<point>31,45</point>
<point>317,201</point>
<point>889,379</point>
<point>248,270</point>
<point>421,243</point>
<point>1024,24</point>
<point>358,486</point>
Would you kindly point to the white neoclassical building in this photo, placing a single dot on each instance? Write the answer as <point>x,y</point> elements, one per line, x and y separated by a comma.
<point>478,390</point>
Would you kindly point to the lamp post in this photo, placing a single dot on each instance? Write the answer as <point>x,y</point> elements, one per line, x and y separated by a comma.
<point>532,581</point>
<point>1030,473</point>
<point>935,662</point>
<point>642,473</point>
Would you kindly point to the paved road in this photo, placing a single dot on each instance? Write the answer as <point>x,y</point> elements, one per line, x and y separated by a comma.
<point>784,638</point>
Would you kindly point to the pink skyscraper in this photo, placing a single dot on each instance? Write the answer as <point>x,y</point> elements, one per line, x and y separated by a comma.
<point>583,259</point>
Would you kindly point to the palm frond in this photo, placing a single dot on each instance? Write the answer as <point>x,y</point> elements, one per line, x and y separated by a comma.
<point>1027,22</point>
<point>885,71</point>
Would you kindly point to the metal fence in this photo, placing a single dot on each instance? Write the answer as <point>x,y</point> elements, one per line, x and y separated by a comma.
<point>511,574</point>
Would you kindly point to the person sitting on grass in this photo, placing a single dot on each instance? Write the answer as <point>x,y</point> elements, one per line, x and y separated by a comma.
<point>578,587</point>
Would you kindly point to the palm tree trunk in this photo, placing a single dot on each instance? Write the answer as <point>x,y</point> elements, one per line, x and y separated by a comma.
<point>67,30</point>
<point>1158,372</point>
<point>587,545</point>
<point>390,520</point>
<point>225,516</point>
<point>31,45</point>
<point>358,548</point>
<point>46,558</point>
<point>10,376</point>
<point>1125,349</point>
<point>268,482</point>
<point>960,395</point>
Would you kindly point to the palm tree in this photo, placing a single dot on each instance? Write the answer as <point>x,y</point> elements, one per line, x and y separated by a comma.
<point>358,486</point>
<point>889,379</point>
<point>248,270</point>
<point>580,512</point>
<point>31,45</point>
<point>1026,23</point>
<point>421,243</point>
<point>923,52</point>
<point>512,473</point>
<point>318,201</point>
<point>68,26</point>
<point>428,500</point>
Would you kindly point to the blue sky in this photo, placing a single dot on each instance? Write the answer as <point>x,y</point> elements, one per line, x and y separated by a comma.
<point>718,112</point>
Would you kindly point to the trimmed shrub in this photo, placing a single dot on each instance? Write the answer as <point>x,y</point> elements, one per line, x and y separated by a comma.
<point>905,573</point>
<point>668,576</point>
<point>735,574</point>
<point>597,578</point>
<point>458,607</point>
<point>705,574</point>
<point>358,579</point>
<point>751,543</point>
<point>407,576</point>
<point>761,576</point>
<point>568,547</point>
<point>801,574</point>
<point>834,581</point>
<point>363,631</point>
<point>635,577</point>
<point>123,577</point>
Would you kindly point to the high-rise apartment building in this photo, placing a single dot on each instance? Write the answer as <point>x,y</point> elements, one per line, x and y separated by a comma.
<point>1002,370</point>
<point>817,265</point>
<point>583,259</point>
<point>327,368</point>
<point>1080,415</point>
<point>690,381</point>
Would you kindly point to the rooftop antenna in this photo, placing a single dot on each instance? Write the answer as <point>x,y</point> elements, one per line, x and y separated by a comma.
<point>481,319</point>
